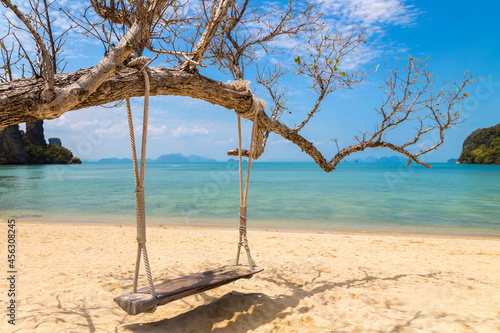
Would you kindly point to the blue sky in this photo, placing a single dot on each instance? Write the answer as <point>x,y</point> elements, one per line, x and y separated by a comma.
<point>456,35</point>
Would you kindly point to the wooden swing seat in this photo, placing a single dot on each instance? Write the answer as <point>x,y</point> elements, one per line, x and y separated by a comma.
<point>142,301</point>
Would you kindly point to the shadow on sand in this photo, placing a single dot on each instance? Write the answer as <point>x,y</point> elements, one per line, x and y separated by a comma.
<point>233,312</point>
<point>241,312</point>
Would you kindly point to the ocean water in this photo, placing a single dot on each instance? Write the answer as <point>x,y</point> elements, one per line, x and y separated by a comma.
<point>447,199</point>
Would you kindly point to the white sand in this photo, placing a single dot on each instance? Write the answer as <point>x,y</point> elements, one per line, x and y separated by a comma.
<point>69,274</point>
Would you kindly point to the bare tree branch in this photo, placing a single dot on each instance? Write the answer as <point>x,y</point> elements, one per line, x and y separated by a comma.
<point>49,74</point>
<point>217,14</point>
<point>270,81</point>
<point>117,12</point>
<point>7,61</point>
<point>322,64</point>
<point>408,95</point>
<point>235,47</point>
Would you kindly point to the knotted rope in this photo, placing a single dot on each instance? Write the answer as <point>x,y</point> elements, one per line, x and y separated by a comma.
<point>243,241</point>
<point>140,207</point>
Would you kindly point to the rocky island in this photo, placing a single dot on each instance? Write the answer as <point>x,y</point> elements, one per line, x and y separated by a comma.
<point>18,147</point>
<point>482,147</point>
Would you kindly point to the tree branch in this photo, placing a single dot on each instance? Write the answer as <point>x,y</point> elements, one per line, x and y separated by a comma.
<point>112,12</point>
<point>407,95</point>
<point>49,75</point>
<point>217,15</point>
<point>324,55</point>
<point>19,99</point>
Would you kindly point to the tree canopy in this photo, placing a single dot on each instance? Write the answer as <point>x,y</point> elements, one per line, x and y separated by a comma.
<point>230,37</point>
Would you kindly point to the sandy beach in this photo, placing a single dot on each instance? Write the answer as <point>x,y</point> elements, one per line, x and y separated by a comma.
<point>68,275</point>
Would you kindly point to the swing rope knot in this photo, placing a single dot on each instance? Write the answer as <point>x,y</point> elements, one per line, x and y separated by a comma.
<point>134,61</point>
<point>243,214</point>
<point>140,63</point>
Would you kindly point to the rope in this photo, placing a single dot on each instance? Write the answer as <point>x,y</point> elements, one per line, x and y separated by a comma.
<point>140,211</point>
<point>137,265</point>
<point>132,140</point>
<point>243,241</point>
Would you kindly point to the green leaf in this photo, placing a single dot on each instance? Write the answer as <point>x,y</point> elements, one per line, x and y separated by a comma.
<point>310,65</point>
<point>297,60</point>
<point>330,61</point>
<point>376,68</point>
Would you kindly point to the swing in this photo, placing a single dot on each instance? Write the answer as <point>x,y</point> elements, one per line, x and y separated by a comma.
<point>147,299</point>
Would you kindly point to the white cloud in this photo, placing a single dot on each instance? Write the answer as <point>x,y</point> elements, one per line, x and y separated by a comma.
<point>279,142</point>
<point>195,130</point>
<point>225,142</point>
<point>376,16</point>
<point>84,124</point>
<point>371,12</point>
<point>342,15</point>
<point>119,129</point>
<point>61,122</point>
<point>363,55</point>
<point>157,130</point>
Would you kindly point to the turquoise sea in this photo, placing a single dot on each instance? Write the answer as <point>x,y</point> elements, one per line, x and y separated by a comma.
<point>447,199</point>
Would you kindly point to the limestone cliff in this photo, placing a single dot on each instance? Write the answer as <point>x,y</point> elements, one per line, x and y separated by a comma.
<point>12,149</point>
<point>55,141</point>
<point>17,147</point>
<point>34,133</point>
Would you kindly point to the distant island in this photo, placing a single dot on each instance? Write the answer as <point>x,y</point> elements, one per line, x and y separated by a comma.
<point>384,159</point>
<point>30,147</point>
<point>482,147</point>
<point>168,158</point>
<point>114,160</point>
<point>179,158</point>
